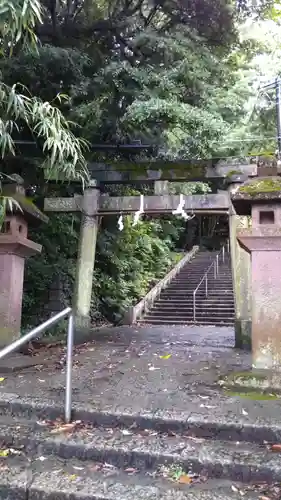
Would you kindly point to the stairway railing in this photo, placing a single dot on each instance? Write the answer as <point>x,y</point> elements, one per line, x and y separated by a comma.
<point>70,337</point>
<point>214,267</point>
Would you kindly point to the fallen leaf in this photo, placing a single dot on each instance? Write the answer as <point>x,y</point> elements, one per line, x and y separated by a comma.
<point>95,467</point>
<point>276,447</point>
<point>72,477</point>
<point>2,379</point>
<point>108,466</point>
<point>4,453</point>
<point>184,479</point>
<point>15,452</point>
<point>64,428</point>
<point>131,470</point>
<point>166,356</point>
<point>42,423</point>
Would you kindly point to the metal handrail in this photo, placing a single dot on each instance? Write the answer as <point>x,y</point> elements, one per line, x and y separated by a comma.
<point>215,265</point>
<point>70,337</point>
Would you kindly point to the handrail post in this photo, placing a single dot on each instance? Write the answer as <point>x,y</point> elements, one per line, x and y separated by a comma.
<point>217,259</point>
<point>223,250</point>
<point>215,271</point>
<point>69,356</point>
<point>194,306</point>
<point>206,285</point>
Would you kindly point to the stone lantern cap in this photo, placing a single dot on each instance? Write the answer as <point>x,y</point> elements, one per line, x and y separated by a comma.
<point>258,191</point>
<point>31,213</point>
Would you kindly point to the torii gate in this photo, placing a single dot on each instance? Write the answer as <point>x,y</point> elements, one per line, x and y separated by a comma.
<point>92,205</point>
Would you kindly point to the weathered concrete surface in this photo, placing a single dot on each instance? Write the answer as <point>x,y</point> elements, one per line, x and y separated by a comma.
<point>126,362</point>
<point>64,480</point>
<point>146,450</point>
<point>148,412</point>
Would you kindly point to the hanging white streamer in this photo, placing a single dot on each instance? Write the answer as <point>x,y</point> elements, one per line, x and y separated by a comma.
<point>180,211</point>
<point>139,212</point>
<point>180,206</point>
<point>120,223</point>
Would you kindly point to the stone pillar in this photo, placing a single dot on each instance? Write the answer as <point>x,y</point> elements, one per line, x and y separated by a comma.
<point>161,187</point>
<point>14,249</point>
<point>263,241</point>
<point>86,258</point>
<point>241,274</point>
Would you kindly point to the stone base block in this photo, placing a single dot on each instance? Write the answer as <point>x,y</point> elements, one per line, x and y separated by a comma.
<point>82,327</point>
<point>243,334</point>
<point>253,382</point>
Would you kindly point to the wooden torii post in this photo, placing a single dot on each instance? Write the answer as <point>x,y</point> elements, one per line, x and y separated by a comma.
<point>92,205</point>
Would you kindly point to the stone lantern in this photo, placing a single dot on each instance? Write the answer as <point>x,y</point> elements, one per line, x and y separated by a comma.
<point>261,199</point>
<point>15,247</point>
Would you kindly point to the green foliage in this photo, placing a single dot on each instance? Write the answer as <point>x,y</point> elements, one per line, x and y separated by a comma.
<point>189,188</point>
<point>62,151</point>
<point>129,263</point>
<point>18,21</point>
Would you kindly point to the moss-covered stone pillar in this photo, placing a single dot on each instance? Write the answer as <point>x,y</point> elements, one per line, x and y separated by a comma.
<point>161,187</point>
<point>86,258</point>
<point>241,274</point>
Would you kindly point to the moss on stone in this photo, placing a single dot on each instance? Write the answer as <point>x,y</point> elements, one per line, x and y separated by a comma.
<point>234,172</point>
<point>266,185</point>
<point>255,396</point>
<point>246,376</point>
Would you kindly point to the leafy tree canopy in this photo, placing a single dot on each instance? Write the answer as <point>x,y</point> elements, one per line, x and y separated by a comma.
<point>22,112</point>
<point>156,71</point>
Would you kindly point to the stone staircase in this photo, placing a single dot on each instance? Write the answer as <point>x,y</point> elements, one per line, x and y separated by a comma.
<point>175,304</point>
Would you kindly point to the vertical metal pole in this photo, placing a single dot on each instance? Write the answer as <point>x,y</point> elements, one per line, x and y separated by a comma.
<point>223,250</point>
<point>194,306</point>
<point>217,259</point>
<point>215,272</point>
<point>206,285</point>
<point>69,356</point>
<point>278,113</point>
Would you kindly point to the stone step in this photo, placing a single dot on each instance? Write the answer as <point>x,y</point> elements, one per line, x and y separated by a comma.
<point>145,451</point>
<point>188,296</point>
<point>188,314</point>
<point>189,306</point>
<point>190,287</point>
<point>202,321</point>
<point>56,479</point>
<point>212,291</point>
<point>189,303</point>
<point>211,279</point>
